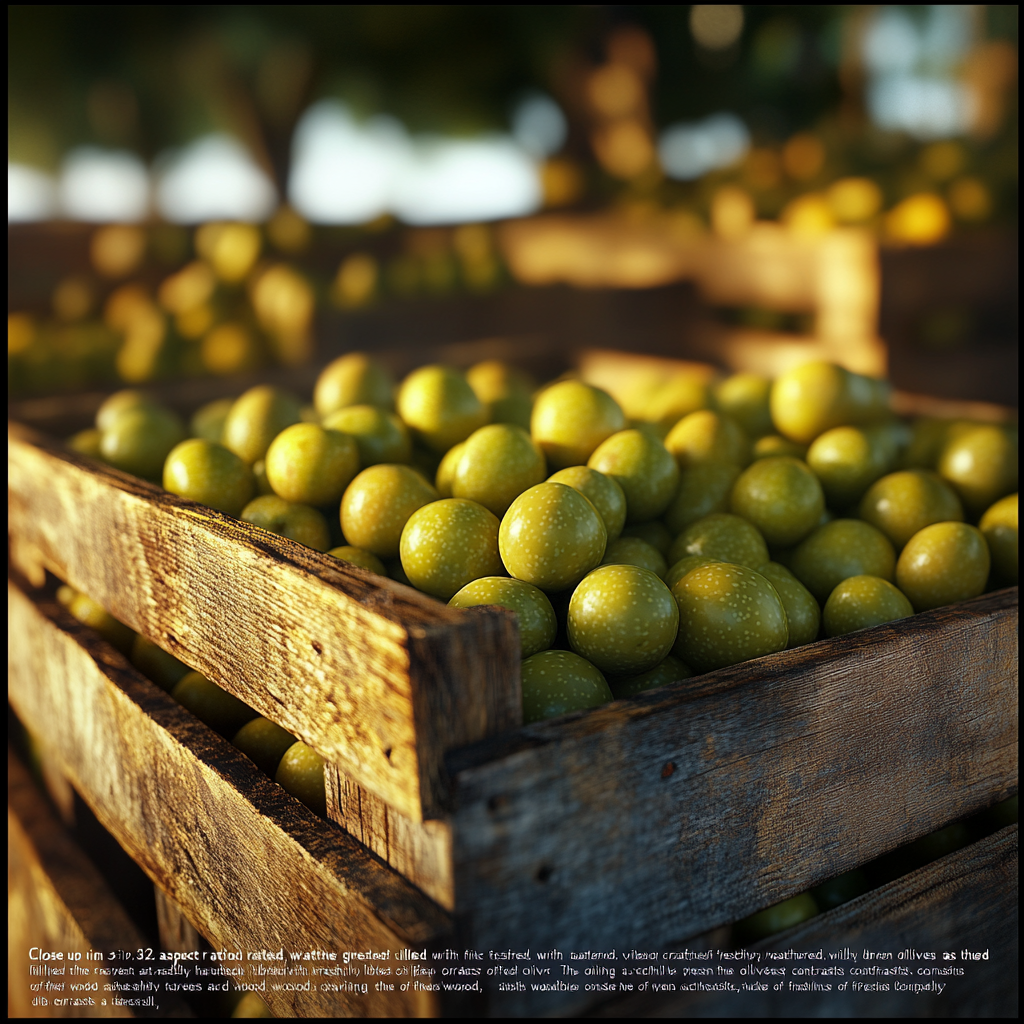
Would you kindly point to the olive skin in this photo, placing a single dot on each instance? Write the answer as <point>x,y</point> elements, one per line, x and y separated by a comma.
<point>256,418</point>
<point>904,502</point>
<point>861,602</point>
<point>708,436</point>
<point>570,419</point>
<point>356,556</point>
<point>604,494</point>
<point>641,465</point>
<point>678,397</point>
<point>220,710</point>
<point>781,497</point>
<point>140,439</point>
<point>208,473</point>
<point>439,407</point>
<point>352,379</point>
<point>86,442</point>
<point>379,435</point>
<point>301,772</point>
<point>311,465</point>
<point>263,742</point>
<point>537,622</point>
<point>677,570</point>
<point>622,619</point>
<point>557,682</point>
<point>838,550</point>
<point>92,614</point>
<point>846,463</point>
<point>776,919</point>
<point>445,474</point>
<point>656,533</point>
<point>377,504</point>
<point>803,616</point>
<point>942,564</point>
<point>449,543</point>
<point>703,489</point>
<point>981,466</point>
<point>156,664</point>
<point>497,463</point>
<point>671,670</point>
<point>634,551</point>
<point>300,523</point>
<point>208,421</point>
<point>551,536</point>
<point>724,537</point>
<point>999,527</point>
<point>745,397</point>
<point>775,444</point>
<point>728,613</point>
<point>119,403</point>
<point>506,391</point>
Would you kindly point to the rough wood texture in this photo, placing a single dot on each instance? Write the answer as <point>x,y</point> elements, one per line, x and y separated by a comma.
<point>967,900</point>
<point>656,818</point>
<point>250,866</point>
<point>56,899</point>
<point>376,677</point>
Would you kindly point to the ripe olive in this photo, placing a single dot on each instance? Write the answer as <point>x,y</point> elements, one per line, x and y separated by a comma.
<point>783,915</point>
<point>902,503</point>
<point>557,682</point>
<point>377,505</point>
<point>838,550</point>
<point>634,551</point>
<point>656,533</point>
<point>570,419</point>
<point>537,623</point>
<point>352,379</point>
<point>119,403</point>
<point>703,489</point>
<point>803,616</point>
<point>999,527</point>
<point>256,418</point>
<point>604,494</point>
<point>380,435</point>
<point>446,471</point>
<point>301,772</point>
<point>92,614</point>
<point>981,466</point>
<point>208,421</point>
<point>671,670</point>
<point>781,497</point>
<point>506,391</point>
<point>677,570</point>
<point>846,463</point>
<point>775,444</point>
<point>707,436</point>
<point>641,465</point>
<point>86,442</point>
<point>724,537</point>
<point>943,563</point>
<point>264,742</point>
<point>220,710</point>
<point>815,397</point>
<point>139,440</point>
<point>861,602</point>
<point>439,407</point>
<point>745,398</point>
<point>680,395</point>
<point>498,462</point>
<point>356,556</point>
<point>156,664</point>
<point>311,465</point>
<point>300,523</point>
<point>206,472</point>
<point>450,543</point>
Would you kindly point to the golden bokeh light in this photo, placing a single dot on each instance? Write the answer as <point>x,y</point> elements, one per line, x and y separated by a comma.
<point>803,156</point>
<point>190,287</point>
<point>922,219</point>
<point>732,212</point>
<point>716,26</point>
<point>356,282</point>
<point>284,305</point>
<point>854,200</point>
<point>808,216</point>
<point>624,148</point>
<point>970,200</point>
<point>230,249</point>
<point>943,160</point>
<point>124,305</point>
<point>229,348</point>
<point>73,299</point>
<point>21,332</point>
<point>561,181</point>
<point>117,250</point>
<point>289,232</point>
<point>615,90</point>
<point>763,169</point>
<point>138,357</point>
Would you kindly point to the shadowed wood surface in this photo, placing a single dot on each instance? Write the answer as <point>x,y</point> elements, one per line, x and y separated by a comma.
<point>660,817</point>
<point>966,900</point>
<point>373,675</point>
<point>57,900</point>
<point>248,864</point>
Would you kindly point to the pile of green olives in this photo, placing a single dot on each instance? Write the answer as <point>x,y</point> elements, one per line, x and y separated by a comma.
<point>714,524</point>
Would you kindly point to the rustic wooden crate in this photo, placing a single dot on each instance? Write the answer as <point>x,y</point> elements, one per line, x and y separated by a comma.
<point>642,823</point>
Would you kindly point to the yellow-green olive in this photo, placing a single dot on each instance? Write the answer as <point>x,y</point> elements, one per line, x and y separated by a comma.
<point>557,682</point>
<point>902,503</point>
<point>708,436</point>
<point>497,463</point>
<point>838,550</point>
<point>256,418</point>
<point>781,497</point>
<point>703,489</point>
<point>724,537</point>
<point>943,563</point>
<point>803,615</point>
<point>156,664</point>
<point>861,602</point>
<point>311,465</point>
<point>301,772</point>
<point>352,379</point>
<point>439,407</point>
<point>570,419</point>
<point>634,551</point>
<point>220,710</point>
<point>377,505</point>
<point>380,435</point>
<point>981,466</point>
<point>999,527</point>
<point>602,491</point>
<point>140,439</point>
<point>745,398</point>
<point>206,472</point>
<point>301,523</point>
<point>641,465</point>
<point>537,623</point>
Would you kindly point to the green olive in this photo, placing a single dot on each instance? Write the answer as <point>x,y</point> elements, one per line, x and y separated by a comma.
<point>570,419</point>
<point>311,465</point>
<point>537,623</point>
<point>656,533</point>
<point>999,527</point>
<point>703,489</point>
<point>671,670</point>
<point>156,664</point>
<point>927,438</point>
<point>861,602</point>
<point>727,614</point>
<point>981,466</point>
<point>724,537</point>
<point>352,379</point>
<point>745,397</point>
<point>840,890</point>
<point>439,407</point>
<point>943,563</point>
<point>220,710</point>
<point>634,551</point>
<point>552,536</point>
<point>264,742</point>
<point>256,418</point>
<point>86,442</point>
<point>301,773</point>
<point>377,505</point>
<point>206,472</point>
<point>498,462</point>
<point>677,570</point>
<point>846,463</point>
<point>139,440</point>
<point>775,444</point>
<point>450,543</point>
<point>604,494</point>
<point>682,394</point>
<point>297,522</point>
<point>622,619</point>
<point>781,497</point>
<point>786,914</point>
<point>356,556</point>
<point>707,436</point>
<point>838,550</point>
<point>641,465</point>
<point>259,475</point>
<point>92,614</point>
<point>902,503</point>
<point>446,471</point>
<point>208,421</point>
<point>380,435</point>
<point>506,391</point>
<point>803,616</point>
<point>121,402</point>
<point>557,682</point>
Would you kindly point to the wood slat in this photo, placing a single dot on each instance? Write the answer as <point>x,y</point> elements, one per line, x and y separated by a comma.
<point>375,676</point>
<point>660,817</point>
<point>249,866</point>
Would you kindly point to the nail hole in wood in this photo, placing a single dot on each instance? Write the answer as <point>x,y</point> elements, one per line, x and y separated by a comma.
<point>318,647</point>
<point>545,872</point>
<point>387,753</point>
<point>669,768</point>
<point>171,638</point>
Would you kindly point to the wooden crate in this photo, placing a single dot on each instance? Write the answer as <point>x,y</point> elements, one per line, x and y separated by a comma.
<point>642,823</point>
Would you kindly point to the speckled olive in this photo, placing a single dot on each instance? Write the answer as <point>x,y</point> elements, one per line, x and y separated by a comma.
<point>655,532</point>
<point>352,379</point>
<point>450,543</point>
<point>902,503</point>
<point>552,536</point>
<point>727,614</point>
<point>537,623</point>
<point>635,551</point>
<point>311,465</point>
<point>703,489</point>
<point>263,742</point>
<point>641,465</point>
<point>506,391</point>
<point>439,407</point>
<point>745,397</point>
<point>604,494</point>
<point>678,397</point>
<point>781,497</point>
<point>208,421</point>
<point>498,462</point>
<point>301,523</point>
<point>557,682</point>
<point>220,710</point>
<point>570,419</point>
<point>677,570</point>
<point>301,772</point>
<point>377,505</point>
<point>724,537</point>
<point>623,619</point>
<point>846,463</point>
<point>838,550</point>
<point>380,435</point>
<point>156,664</point>
<point>357,556</point>
<point>671,670</point>
<point>981,465</point>
<point>943,563</point>
<point>207,472</point>
<point>708,436</point>
<point>256,418</point>
<point>139,440</point>
<point>861,602</point>
<point>803,615</point>
<point>446,471</point>
<point>999,527</point>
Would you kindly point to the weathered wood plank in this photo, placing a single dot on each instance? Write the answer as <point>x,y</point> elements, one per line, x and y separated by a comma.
<point>375,676</point>
<point>661,817</point>
<point>57,900</point>
<point>250,866</point>
<point>966,900</point>
<point>177,934</point>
